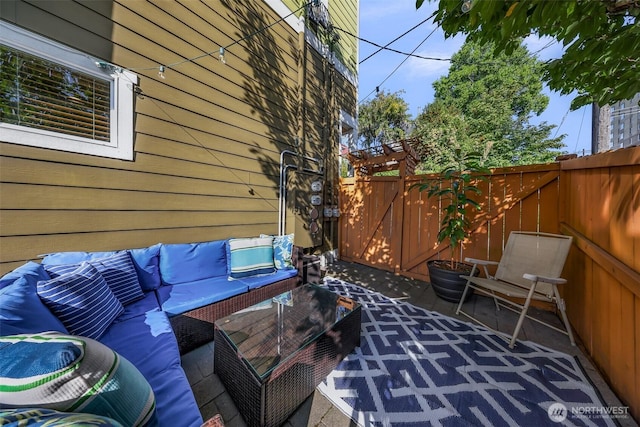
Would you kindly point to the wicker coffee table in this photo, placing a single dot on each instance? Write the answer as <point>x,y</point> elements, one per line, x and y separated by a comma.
<point>271,356</point>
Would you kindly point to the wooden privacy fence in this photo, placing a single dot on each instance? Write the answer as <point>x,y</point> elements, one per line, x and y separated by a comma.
<point>387,224</point>
<point>392,226</point>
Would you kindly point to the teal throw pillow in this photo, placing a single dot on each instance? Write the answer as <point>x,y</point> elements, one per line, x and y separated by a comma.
<point>250,257</point>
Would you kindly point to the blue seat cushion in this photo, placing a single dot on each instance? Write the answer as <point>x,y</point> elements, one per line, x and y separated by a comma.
<point>21,310</point>
<point>189,262</point>
<point>117,270</point>
<point>178,299</point>
<point>82,300</point>
<point>260,281</point>
<point>148,342</point>
<point>140,307</point>
<point>145,260</point>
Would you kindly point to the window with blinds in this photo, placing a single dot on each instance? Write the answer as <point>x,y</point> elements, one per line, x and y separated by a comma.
<point>56,97</point>
<point>41,94</point>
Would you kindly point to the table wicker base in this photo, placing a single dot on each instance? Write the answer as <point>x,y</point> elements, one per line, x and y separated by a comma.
<point>270,402</point>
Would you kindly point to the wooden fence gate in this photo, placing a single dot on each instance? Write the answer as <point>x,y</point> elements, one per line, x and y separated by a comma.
<point>389,224</point>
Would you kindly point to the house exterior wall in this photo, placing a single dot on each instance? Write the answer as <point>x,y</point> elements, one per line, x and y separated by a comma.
<point>208,136</point>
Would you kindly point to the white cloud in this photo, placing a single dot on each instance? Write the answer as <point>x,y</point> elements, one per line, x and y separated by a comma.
<point>389,10</point>
<point>418,67</point>
<point>381,10</point>
<point>431,68</point>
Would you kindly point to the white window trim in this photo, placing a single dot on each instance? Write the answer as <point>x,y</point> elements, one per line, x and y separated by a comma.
<point>122,99</point>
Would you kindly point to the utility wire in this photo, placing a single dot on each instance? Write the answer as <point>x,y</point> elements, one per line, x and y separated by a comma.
<point>549,44</point>
<point>399,65</point>
<point>251,190</point>
<point>412,54</point>
<point>561,122</point>
<point>398,38</point>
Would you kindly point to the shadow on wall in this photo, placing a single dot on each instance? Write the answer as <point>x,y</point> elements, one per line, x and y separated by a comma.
<point>272,91</point>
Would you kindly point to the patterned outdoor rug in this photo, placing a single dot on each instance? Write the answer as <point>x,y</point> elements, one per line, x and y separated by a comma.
<point>419,368</point>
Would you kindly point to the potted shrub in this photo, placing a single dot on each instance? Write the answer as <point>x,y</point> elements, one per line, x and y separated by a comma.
<point>455,188</point>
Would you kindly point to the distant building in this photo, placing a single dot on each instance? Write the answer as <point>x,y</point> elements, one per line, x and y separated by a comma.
<point>624,126</point>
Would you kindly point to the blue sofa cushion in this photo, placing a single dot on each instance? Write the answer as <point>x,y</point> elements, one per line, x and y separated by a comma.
<point>145,260</point>
<point>40,417</point>
<point>148,342</point>
<point>250,257</point>
<point>32,271</point>
<point>117,270</point>
<point>21,310</point>
<point>189,262</point>
<point>260,281</point>
<point>178,299</point>
<point>147,263</point>
<point>82,300</point>
<point>75,374</point>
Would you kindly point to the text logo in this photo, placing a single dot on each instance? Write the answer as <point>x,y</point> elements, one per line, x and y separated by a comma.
<point>557,412</point>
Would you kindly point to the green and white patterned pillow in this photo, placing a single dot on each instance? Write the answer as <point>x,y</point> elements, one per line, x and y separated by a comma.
<point>39,417</point>
<point>282,251</point>
<point>72,374</point>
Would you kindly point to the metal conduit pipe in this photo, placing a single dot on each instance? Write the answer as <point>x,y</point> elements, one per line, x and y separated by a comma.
<point>282,196</point>
<point>282,228</point>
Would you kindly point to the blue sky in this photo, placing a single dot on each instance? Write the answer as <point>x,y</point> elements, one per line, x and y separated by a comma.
<point>382,21</point>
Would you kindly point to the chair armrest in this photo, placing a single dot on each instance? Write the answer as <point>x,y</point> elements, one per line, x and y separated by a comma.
<point>552,280</point>
<point>481,261</point>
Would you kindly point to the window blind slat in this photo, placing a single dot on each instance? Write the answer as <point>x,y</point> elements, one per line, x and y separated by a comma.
<point>45,95</point>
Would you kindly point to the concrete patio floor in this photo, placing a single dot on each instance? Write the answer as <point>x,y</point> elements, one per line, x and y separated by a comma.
<point>213,399</point>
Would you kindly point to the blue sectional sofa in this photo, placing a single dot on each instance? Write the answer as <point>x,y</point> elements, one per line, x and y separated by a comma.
<point>183,289</point>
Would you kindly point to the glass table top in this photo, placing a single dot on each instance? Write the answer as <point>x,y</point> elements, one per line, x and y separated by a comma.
<point>268,333</point>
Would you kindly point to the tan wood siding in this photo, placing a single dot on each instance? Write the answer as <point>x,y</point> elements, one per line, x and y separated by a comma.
<point>208,136</point>
<point>344,16</point>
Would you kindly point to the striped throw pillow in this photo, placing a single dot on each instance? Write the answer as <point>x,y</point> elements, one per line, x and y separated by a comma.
<point>73,374</point>
<point>117,270</point>
<point>250,257</point>
<point>81,300</point>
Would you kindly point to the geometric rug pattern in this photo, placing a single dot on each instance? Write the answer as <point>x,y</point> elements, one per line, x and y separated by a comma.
<point>415,367</point>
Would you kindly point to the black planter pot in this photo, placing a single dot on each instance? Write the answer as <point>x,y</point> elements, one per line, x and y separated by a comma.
<point>447,283</point>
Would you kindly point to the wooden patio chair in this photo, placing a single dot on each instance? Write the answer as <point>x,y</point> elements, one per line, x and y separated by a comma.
<point>529,269</point>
